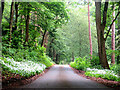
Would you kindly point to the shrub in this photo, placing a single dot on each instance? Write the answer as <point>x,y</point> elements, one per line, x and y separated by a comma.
<point>115,68</point>
<point>80,63</point>
<point>32,54</point>
<point>94,61</point>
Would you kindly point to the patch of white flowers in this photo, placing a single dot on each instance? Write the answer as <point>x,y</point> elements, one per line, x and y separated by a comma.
<point>23,68</point>
<point>103,72</point>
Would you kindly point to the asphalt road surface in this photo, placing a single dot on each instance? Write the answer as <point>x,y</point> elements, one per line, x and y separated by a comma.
<point>62,76</point>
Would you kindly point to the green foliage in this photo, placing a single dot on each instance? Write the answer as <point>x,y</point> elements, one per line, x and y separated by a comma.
<point>94,61</point>
<point>24,68</point>
<point>106,74</point>
<point>80,63</point>
<point>37,54</point>
<point>20,61</point>
<point>109,52</point>
<point>115,68</point>
<point>97,66</point>
<point>73,37</point>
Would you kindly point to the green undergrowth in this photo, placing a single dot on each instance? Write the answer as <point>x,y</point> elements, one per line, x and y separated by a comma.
<point>25,62</point>
<point>103,73</point>
<point>80,63</point>
<point>94,69</point>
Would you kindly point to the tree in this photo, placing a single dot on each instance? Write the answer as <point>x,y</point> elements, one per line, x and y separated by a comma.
<point>35,26</point>
<point>1,10</point>
<point>43,38</point>
<point>16,14</point>
<point>27,22</point>
<point>118,40</point>
<point>113,39</point>
<point>11,19</point>
<point>89,31</point>
<point>100,31</point>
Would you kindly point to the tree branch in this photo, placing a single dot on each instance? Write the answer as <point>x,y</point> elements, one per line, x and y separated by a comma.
<point>113,22</point>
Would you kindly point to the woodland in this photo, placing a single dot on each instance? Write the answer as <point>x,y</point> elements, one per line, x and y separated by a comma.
<point>36,35</point>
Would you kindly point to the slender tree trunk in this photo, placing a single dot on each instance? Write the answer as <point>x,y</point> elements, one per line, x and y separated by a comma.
<point>42,43</point>
<point>16,14</point>
<point>22,29</point>
<point>11,19</point>
<point>100,37</point>
<point>118,43</point>
<point>54,55</point>
<point>80,51</point>
<point>1,10</point>
<point>35,26</point>
<point>46,39</point>
<point>27,26</point>
<point>113,40</point>
<point>89,31</point>
<point>72,56</point>
<point>57,55</point>
<point>50,48</point>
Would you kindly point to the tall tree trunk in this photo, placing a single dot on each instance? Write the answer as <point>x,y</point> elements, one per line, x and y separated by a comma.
<point>89,31</point>
<point>57,55</point>
<point>100,36</point>
<point>118,43</point>
<point>54,55</point>
<point>27,26</point>
<point>80,51</point>
<point>113,40</point>
<point>42,43</point>
<point>50,48</point>
<point>16,14</point>
<point>22,29</point>
<point>35,26</point>
<point>1,10</point>
<point>46,39</point>
<point>11,19</point>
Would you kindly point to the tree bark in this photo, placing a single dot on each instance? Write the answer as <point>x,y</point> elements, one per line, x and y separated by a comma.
<point>54,55</point>
<point>46,39</point>
<point>42,43</point>
<point>118,43</point>
<point>90,41</point>
<point>113,39</point>
<point>11,19</point>
<point>35,26</point>
<point>1,10</point>
<point>57,55</point>
<point>16,14</point>
<point>27,26</point>
<point>22,29</point>
<point>50,48</point>
<point>100,36</point>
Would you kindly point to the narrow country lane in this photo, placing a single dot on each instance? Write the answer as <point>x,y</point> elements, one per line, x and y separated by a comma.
<point>62,76</point>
